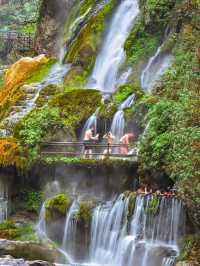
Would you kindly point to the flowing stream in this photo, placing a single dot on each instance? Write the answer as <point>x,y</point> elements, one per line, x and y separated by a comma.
<point>112,55</point>
<point>155,68</point>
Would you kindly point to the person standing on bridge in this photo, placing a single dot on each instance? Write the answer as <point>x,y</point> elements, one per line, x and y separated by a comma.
<point>88,142</point>
<point>124,141</point>
<point>110,139</point>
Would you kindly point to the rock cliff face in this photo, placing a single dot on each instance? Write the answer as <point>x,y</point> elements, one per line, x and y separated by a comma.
<point>53,14</point>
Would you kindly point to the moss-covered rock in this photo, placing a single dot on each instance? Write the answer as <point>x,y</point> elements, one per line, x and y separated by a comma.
<point>56,207</point>
<point>84,214</point>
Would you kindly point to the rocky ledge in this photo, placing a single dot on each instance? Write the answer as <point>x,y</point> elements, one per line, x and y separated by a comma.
<point>28,253</point>
<point>10,261</point>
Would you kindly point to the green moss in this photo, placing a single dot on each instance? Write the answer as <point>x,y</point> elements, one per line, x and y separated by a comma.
<point>46,94</point>
<point>84,214</point>
<point>40,73</point>
<point>140,44</point>
<point>56,207</point>
<point>153,206</point>
<point>131,204</point>
<point>126,90</point>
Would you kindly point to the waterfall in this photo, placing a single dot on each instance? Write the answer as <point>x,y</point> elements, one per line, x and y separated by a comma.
<point>112,55</point>
<point>118,123</point>
<point>68,243</point>
<point>124,77</point>
<point>3,201</point>
<point>156,66</point>
<point>145,239</point>
<point>91,122</point>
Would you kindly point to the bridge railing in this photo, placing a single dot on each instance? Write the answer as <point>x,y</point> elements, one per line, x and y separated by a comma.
<point>79,149</point>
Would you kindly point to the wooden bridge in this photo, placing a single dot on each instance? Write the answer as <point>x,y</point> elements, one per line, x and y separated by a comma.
<point>17,40</point>
<point>79,149</point>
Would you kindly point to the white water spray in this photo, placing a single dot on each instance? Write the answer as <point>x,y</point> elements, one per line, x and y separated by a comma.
<point>112,55</point>
<point>151,240</point>
<point>118,123</point>
<point>155,68</point>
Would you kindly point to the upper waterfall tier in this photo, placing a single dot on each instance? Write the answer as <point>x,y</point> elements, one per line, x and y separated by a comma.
<point>111,56</point>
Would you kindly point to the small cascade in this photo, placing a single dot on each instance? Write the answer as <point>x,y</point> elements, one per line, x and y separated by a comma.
<point>118,123</point>
<point>41,226</point>
<point>155,68</point>
<point>91,122</point>
<point>148,238</point>
<point>32,91</point>
<point>112,55</point>
<point>3,201</point>
<point>124,77</point>
<point>68,243</point>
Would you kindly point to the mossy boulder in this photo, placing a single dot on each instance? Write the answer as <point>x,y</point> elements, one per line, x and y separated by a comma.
<point>46,94</point>
<point>84,214</point>
<point>56,207</point>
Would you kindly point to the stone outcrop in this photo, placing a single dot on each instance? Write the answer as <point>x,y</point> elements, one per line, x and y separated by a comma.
<point>29,251</point>
<point>186,263</point>
<point>10,261</point>
<point>53,14</point>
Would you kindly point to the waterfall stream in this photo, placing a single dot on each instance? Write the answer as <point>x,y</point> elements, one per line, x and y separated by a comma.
<point>112,55</point>
<point>147,239</point>
<point>118,123</point>
<point>91,122</point>
<point>155,68</point>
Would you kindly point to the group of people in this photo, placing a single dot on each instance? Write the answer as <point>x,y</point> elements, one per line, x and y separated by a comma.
<point>90,138</point>
<point>167,192</point>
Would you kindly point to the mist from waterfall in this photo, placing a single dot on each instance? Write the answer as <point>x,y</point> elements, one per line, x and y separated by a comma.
<point>118,123</point>
<point>112,55</point>
<point>155,68</point>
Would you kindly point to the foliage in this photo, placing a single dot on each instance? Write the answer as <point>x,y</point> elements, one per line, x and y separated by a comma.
<point>153,206</point>
<point>126,90</point>
<point>131,203</point>
<point>19,14</point>
<point>171,140</point>
<point>31,200</point>
<point>190,248</point>
<point>56,207</point>
<point>84,213</point>
<point>9,152</point>
<point>23,232</point>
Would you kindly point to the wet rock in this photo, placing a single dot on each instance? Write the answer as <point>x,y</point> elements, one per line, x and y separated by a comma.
<point>29,251</point>
<point>10,261</point>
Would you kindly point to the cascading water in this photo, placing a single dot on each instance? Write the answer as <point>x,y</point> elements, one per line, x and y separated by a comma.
<point>156,66</point>
<point>3,201</point>
<point>112,55</point>
<point>91,122</point>
<point>144,239</point>
<point>68,243</point>
<point>118,123</point>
